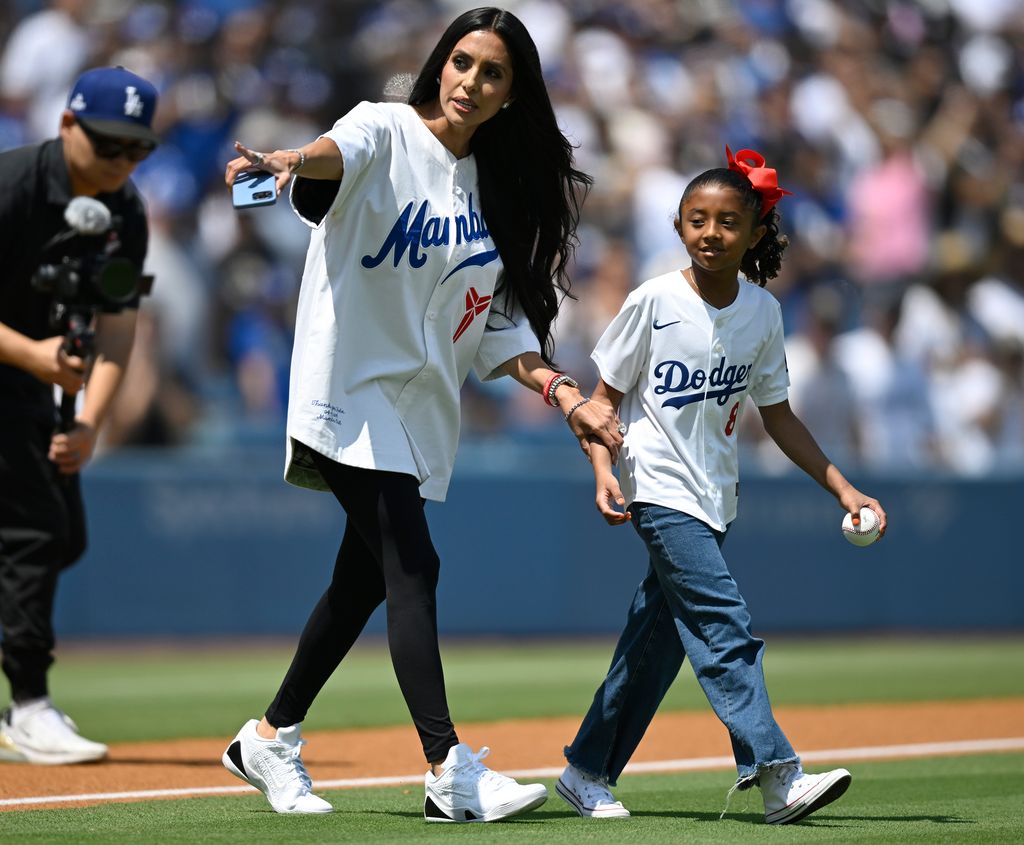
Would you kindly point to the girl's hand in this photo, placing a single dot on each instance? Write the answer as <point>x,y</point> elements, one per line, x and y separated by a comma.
<point>853,500</point>
<point>280,162</point>
<point>608,497</point>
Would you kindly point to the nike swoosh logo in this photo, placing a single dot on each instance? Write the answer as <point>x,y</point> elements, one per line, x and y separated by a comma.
<point>481,259</point>
<point>665,325</point>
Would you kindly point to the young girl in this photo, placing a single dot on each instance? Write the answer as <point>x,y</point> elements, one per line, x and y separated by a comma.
<point>677,362</point>
<point>442,229</point>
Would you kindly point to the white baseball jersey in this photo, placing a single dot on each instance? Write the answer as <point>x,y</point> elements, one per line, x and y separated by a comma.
<point>685,368</point>
<point>397,303</point>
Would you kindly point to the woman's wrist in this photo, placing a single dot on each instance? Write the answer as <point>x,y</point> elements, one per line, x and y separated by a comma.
<point>579,403</point>
<point>299,163</point>
<point>567,397</point>
<point>553,394</point>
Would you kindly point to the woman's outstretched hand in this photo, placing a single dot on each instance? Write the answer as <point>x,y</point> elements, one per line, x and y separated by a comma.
<point>280,162</point>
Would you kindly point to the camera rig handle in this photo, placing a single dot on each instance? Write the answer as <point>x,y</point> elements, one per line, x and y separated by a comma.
<point>79,339</point>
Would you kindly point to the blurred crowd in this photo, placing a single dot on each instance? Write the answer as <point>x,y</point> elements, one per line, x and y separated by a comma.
<point>898,125</point>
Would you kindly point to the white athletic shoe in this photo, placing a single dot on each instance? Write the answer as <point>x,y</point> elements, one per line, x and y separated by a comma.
<point>275,768</point>
<point>467,791</point>
<point>38,732</point>
<point>588,795</point>
<point>790,794</point>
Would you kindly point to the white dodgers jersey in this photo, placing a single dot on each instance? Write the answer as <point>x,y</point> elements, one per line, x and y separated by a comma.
<point>684,369</point>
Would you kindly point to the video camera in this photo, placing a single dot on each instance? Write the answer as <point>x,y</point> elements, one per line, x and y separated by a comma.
<point>82,279</point>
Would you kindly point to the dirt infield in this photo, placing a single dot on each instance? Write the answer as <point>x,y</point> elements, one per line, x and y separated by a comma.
<point>521,744</point>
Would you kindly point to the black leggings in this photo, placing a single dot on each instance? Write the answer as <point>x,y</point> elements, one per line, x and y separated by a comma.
<point>385,555</point>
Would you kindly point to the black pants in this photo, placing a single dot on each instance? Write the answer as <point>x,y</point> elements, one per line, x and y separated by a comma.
<point>42,531</point>
<point>385,555</point>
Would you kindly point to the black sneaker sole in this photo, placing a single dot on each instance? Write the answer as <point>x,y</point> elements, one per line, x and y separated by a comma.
<point>433,813</point>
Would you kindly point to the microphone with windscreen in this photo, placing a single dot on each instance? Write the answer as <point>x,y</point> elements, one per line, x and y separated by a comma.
<point>88,216</point>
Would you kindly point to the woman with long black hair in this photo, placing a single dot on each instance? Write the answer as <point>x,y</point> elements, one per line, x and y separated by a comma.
<point>442,233</point>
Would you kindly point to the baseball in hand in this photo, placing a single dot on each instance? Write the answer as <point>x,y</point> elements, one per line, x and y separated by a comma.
<point>864,534</point>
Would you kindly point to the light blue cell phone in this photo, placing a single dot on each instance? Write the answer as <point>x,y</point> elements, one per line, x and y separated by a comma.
<point>253,188</point>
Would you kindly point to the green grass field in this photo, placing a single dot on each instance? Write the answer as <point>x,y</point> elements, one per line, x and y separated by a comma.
<point>177,692</point>
<point>956,800</point>
<point>150,693</point>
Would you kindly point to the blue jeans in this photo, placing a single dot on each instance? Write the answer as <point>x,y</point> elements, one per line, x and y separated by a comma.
<point>687,605</point>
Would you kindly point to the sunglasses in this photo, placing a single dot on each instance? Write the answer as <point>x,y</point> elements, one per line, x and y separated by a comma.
<point>109,148</point>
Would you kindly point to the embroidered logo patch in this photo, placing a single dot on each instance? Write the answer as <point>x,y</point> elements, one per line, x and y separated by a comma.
<point>132,102</point>
<point>475,304</point>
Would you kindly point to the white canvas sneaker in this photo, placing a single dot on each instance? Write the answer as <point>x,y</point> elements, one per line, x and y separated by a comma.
<point>589,796</point>
<point>790,794</point>
<point>275,768</point>
<point>467,791</point>
<point>38,732</point>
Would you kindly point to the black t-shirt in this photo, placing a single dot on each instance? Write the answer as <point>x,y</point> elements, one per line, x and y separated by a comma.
<point>35,189</point>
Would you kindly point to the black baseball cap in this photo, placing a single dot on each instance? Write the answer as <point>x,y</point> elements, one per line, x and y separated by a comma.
<point>115,101</point>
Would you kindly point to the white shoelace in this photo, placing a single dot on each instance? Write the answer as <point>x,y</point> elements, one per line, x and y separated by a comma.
<point>481,771</point>
<point>296,770</point>
<point>786,773</point>
<point>595,792</point>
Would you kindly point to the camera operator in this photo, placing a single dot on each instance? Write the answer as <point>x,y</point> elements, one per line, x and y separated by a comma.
<point>52,264</point>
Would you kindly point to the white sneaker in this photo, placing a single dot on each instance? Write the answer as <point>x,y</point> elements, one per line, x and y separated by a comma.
<point>790,794</point>
<point>38,732</point>
<point>588,795</point>
<point>467,791</point>
<point>275,768</point>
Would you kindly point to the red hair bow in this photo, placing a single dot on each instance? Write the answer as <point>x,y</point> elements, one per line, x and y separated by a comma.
<point>764,179</point>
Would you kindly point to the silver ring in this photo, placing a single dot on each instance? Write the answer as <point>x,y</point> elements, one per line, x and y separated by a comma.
<point>259,159</point>
<point>622,428</point>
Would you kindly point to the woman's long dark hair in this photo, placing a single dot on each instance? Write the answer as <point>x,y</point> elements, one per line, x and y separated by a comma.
<point>530,193</point>
<point>764,260</point>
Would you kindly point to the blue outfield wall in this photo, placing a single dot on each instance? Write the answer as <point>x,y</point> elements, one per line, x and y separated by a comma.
<point>192,544</point>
